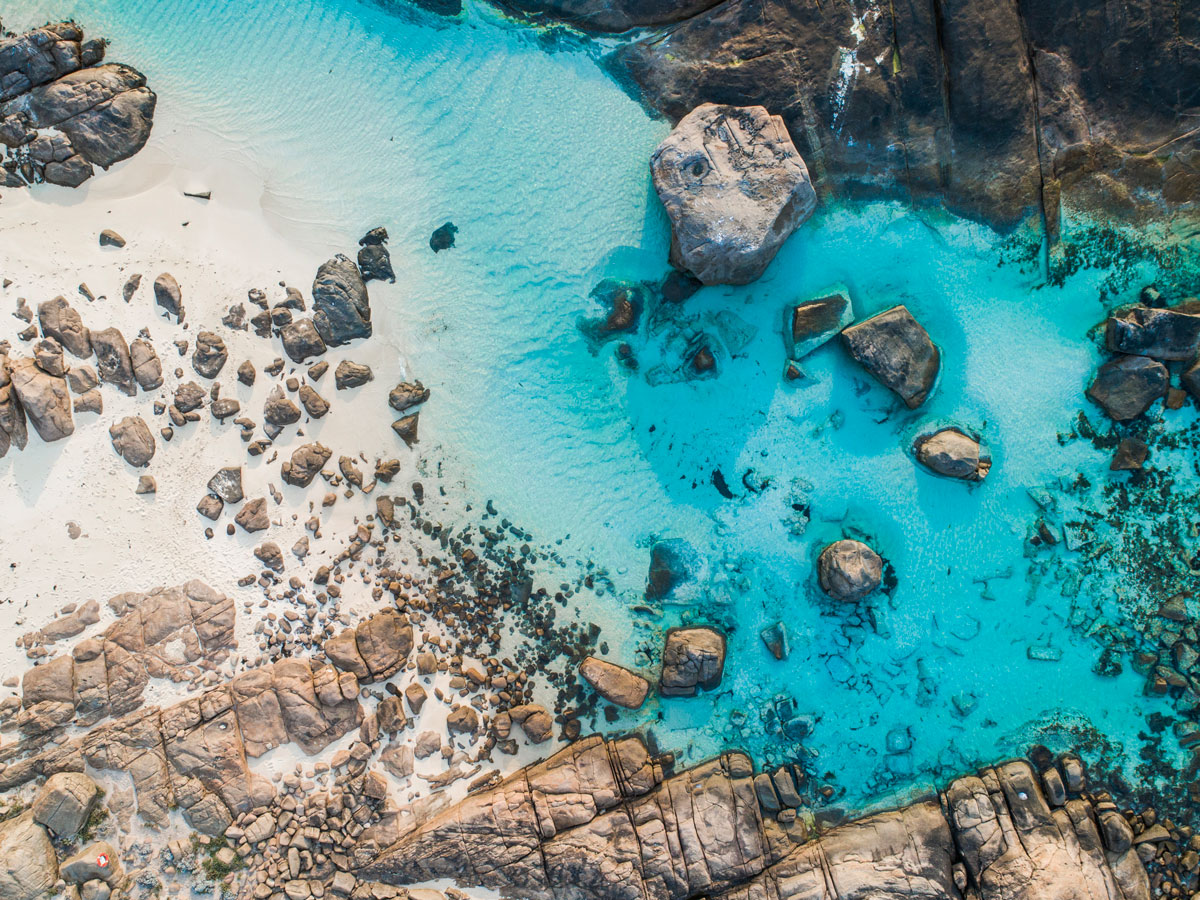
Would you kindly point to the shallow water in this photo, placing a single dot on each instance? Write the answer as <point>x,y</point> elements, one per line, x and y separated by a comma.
<point>337,116</point>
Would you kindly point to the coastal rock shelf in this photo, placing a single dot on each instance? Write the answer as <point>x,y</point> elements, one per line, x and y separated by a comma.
<point>601,819</point>
<point>63,111</point>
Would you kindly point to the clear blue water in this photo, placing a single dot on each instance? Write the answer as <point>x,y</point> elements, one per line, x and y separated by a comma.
<point>352,115</point>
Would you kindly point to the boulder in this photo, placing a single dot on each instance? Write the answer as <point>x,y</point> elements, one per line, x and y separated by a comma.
<point>28,865</point>
<point>1131,454</point>
<point>227,484</point>
<point>253,516</point>
<point>406,395</point>
<point>98,860</point>
<point>279,410</point>
<point>314,404</point>
<point>59,321</point>
<point>463,720</point>
<point>1157,333</point>
<point>615,684</point>
<point>210,355</point>
<point>672,562</point>
<point>1125,387</point>
<point>132,440</point>
<point>48,355</point>
<point>534,720</point>
<point>301,340</point>
<point>113,360</point>
<point>814,322</point>
<point>351,375</point>
<point>443,237</point>
<point>734,188</point>
<point>43,398</point>
<point>342,309</point>
<point>953,453</point>
<point>692,658</point>
<point>147,368</point>
<point>849,570</point>
<point>168,295</point>
<point>894,348</point>
<point>64,803</point>
<point>1190,380</point>
<point>306,462</point>
<point>375,262</point>
<point>406,428</point>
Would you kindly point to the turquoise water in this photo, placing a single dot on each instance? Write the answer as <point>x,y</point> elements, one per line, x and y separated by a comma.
<point>352,115</point>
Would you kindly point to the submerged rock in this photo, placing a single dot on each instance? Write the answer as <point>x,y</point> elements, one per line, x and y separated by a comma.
<point>342,309</point>
<point>810,324</point>
<point>443,237</point>
<point>1131,454</point>
<point>672,562</point>
<point>614,683</point>
<point>734,188</point>
<point>1125,387</point>
<point>692,658</point>
<point>953,453</point>
<point>1157,333</point>
<point>849,570</point>
<point>894,348</point>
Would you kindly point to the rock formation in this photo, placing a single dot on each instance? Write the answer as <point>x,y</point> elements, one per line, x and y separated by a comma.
<point>734,188</point>
<point>811,324</point>
<point>692,658</point>
<point>894,348</point>
<point>1125,387</point>
<point>604,820</point>
<point>849,570</point>
<point>1161,334</point>
<point>953,453</point>
<point>342,307</point>
<point>614,683</point>
<point>62,112</point>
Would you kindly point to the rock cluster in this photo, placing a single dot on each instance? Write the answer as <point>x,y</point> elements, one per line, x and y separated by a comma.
<point>734,188</point>
<point>63,111</point>
<point>605,820</point>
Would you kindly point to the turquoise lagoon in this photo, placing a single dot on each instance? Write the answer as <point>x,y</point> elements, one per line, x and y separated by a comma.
<point>346,115</point>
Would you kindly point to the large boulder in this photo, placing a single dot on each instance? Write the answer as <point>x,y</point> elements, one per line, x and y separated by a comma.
<point>65,802</point>
<point>307,460</point>
<point>812,323</point>
<point>60,321</point>
<point>1126,386</point>
<point>147,367</point>
<point>734,188</point>
<point>849,570</point>
<point>692,658</point>
<point>342,309</point>
<point>44,399</point>
<point>104,111</point>
<point>98,860</point>
<point>28,866</point>
<point>953,453</point>
<point>132,440</point>
<point>113,361</point>
<point>1157,333</point>
<point>1190,380</point>
<point>38,56</point>
<point>301,340</point>
<point>894,348</point>
<point>614,683</point>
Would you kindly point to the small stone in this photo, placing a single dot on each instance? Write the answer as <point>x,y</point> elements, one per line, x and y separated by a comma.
<point>109,238</point>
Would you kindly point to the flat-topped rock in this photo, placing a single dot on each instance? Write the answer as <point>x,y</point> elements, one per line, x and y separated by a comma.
<point>64,802</point>
<point>614,683</point>
<point>897,350</point>
<point>1126,387</point>
<point>953,453</point>
<point>734,188</point>
<point>849,570</point>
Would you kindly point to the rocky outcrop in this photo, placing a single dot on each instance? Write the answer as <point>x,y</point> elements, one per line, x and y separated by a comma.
<point>849,570</point>
<point>342,309</point>
<point>599,821</point>
<point>28,866</point>
<point>158,635</point>
<point>60,321</point>
<point>64,803</point>
<point>374,650</point>
<point>692,658</point>
<point>307,460</point>
<point>614,683</point>
<point>62,112</point>
<point>734,188</point>
<point>1163,334</point>
<point>995,110</point>
<point>1126,387</point>
<point>953,453</point>
<point>43,399</point>
<point>896,349</point>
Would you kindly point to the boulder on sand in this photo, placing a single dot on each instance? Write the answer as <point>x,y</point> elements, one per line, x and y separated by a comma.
<point>131,438</point>
<point>953,453</point>
<point>64,802</point>
<point>849,570</point>
<point>61,322</point>
<point>1126,386</point>
<point>734,188</point>
<point>894,348</point>
<point>44,399</point>
<point>342,307</point>
<point>692,658</point>
<point>614,683</point>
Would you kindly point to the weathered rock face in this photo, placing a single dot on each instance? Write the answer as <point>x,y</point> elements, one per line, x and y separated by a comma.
<point>301,340</point>
<point>692,658</point>
<point>44,399</point>
<point>342,308</point>
<point>598,821</point>
<point>113,361</point>
<point>65,802</point>
<point>50,78</point>
<point>849,570</point>
<point>734,188</point>
<point>210,354</point>
<point>953,453</point>
<point>894,348</point>
<point>406,395</point>
<point>995,110</point>
<point>374,650</point>
<point>28,866</point>
<point>1125,387</point>
<point>614,683</point>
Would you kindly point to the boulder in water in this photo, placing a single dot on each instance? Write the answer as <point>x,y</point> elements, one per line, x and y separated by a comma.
<point>614,683</point>
<point>1126,386</point>
<point>342,307</point>
<point>443,237</point>
<point>1157,333</point>
<point>692,658</point>
<point>672,562</point>
<point>734,188</point>
<point>812,323</point>
<point>953,453</point>
<point>849,570</point>
<point>894,348</point>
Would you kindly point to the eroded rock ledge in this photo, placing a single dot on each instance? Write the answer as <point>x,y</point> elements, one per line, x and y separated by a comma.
<point>601,819</point>
<point>64,111</point>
